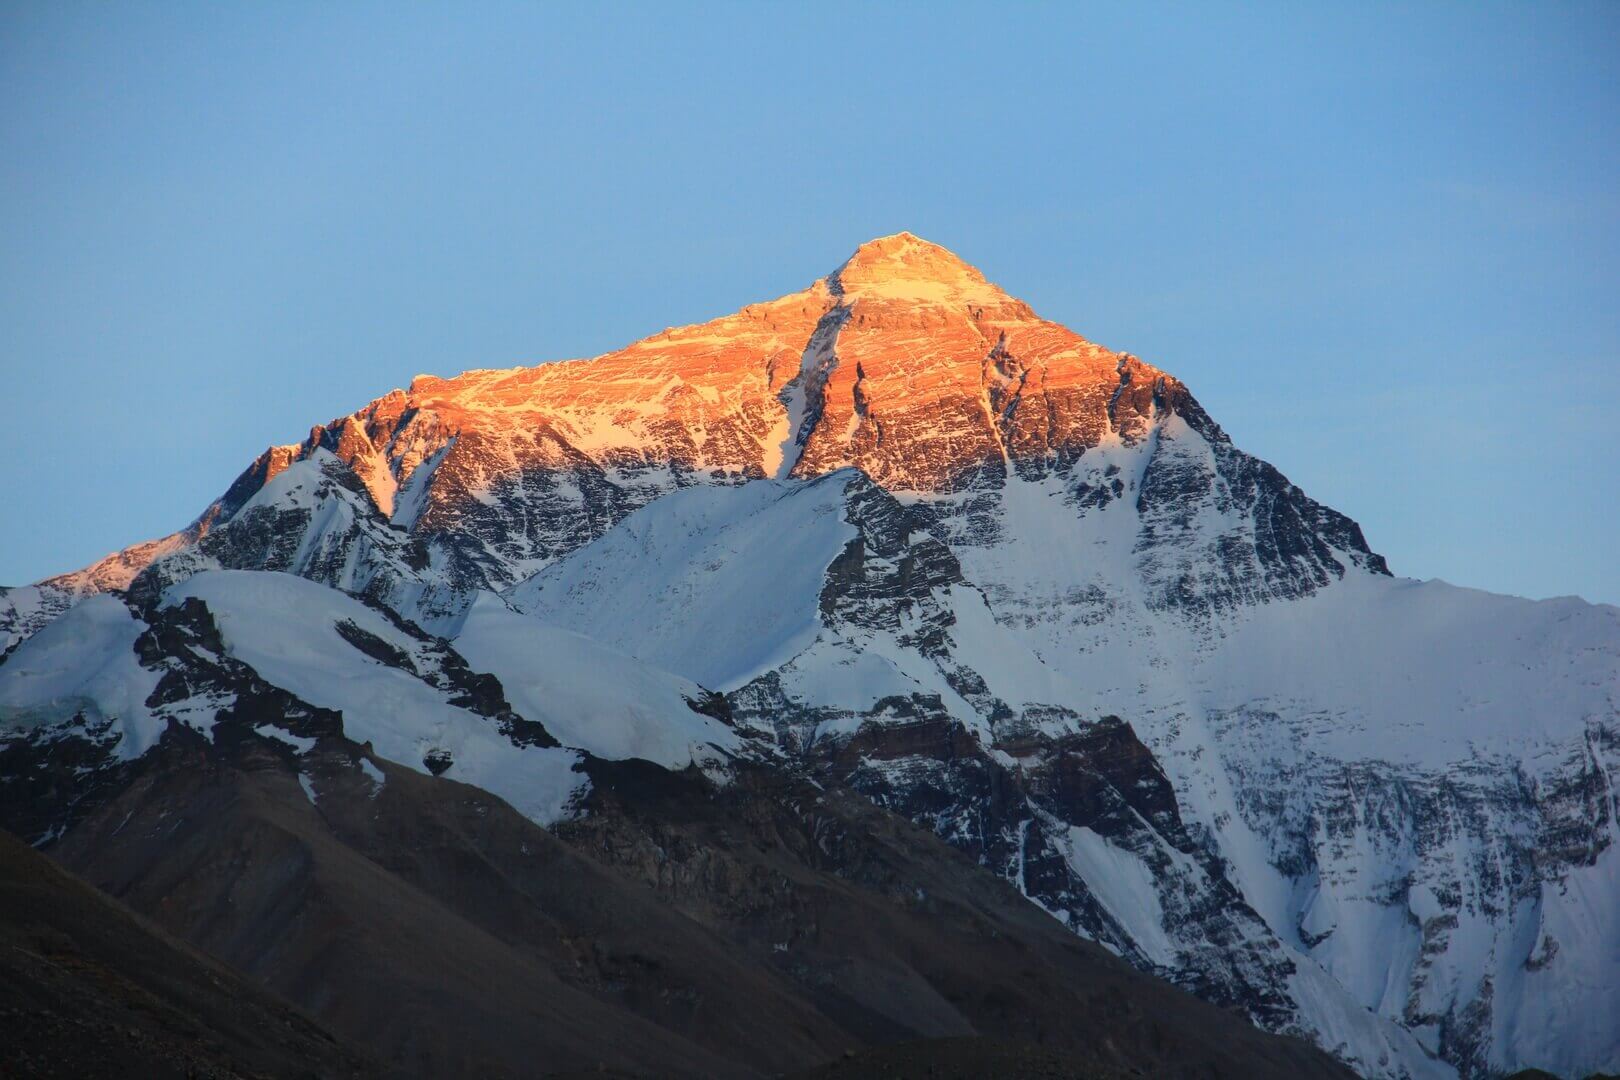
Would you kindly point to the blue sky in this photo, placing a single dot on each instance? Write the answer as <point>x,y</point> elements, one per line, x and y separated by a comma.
<point>1380,243</point>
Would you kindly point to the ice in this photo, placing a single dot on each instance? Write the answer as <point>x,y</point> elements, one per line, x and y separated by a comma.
<point>587,695</point>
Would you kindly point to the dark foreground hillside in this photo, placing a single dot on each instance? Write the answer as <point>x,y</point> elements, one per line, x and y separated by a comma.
<point>963,1059</point>
<point>89,990</point>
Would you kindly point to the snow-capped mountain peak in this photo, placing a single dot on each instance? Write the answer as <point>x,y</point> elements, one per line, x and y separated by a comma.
<point>900,532</point>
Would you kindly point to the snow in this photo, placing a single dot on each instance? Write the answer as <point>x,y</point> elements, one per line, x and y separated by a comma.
<point>412,497</point>
<point>814,676</point>
<point>855,675</point>
<point>1012,671</point>
<point>717,584</point>
<point>285,628</point>
<point>1421,682</point>
<point>83,661</point>
<point>299,743</point>
<point>587,695</point>
<point>374,471</point>
<point>909,269</point>
<point>1343,1027</point>
<point>1582,916</point>
<point>25,608</point>
<point>298,486</point>
<point>786,441</point>
<point>377,777</point>
<point>783,446</point>
<point>1378,979</point>
<point>1124,885</point>
<point>308,785</point>
<point>1422,672</point>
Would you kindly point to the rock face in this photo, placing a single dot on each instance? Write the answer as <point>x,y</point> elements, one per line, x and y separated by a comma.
<point>900,533</point>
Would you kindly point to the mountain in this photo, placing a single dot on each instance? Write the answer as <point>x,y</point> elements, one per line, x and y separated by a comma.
<point>90,989</point>
<point>897,536</point>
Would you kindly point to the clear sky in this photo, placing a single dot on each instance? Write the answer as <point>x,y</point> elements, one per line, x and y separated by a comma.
<point>1380,243</point>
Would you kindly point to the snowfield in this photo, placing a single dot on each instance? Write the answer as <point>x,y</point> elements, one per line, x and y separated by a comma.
<point>718,584</point>
<point>589,696</point>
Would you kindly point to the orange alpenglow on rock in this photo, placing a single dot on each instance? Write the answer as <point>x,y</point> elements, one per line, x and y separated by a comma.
<point>903,362</point>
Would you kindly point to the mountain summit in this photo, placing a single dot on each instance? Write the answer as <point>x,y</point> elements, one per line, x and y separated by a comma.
<point>903,363</point>
<point>896,542</point>
<point>907,267</point>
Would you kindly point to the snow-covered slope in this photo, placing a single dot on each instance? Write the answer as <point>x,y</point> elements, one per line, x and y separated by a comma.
<point>1011,584</point>
<point>82,671</point>
<point>117,678</point>
<point>26,608</point>
<point>716,583</point>
<point>591,696</point>
<point>390,686</point>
